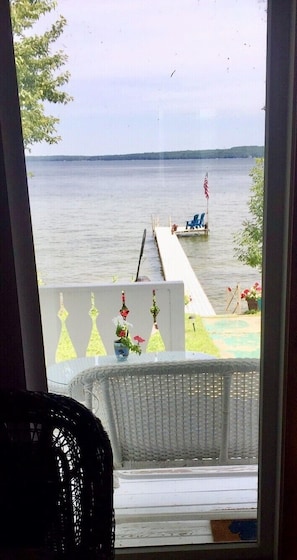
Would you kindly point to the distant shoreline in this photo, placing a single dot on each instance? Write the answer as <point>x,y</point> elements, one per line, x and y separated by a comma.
<point>224,153</point>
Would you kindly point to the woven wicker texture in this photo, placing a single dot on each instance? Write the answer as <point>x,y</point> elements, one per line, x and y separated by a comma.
<point>190,412</point>
<point>56,479</point>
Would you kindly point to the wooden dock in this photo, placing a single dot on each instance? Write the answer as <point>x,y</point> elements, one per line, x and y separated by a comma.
<point>183,232</point>
<point>176,266</point>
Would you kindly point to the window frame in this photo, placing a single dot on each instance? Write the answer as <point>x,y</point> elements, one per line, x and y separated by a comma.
<point>27,362</point>
<point>21,349</point>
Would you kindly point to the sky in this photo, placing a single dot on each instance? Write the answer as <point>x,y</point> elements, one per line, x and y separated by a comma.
<point>150,76</point>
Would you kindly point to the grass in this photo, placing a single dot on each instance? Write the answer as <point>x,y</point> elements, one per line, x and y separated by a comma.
<point>155,343</point>
<point>197,339</point>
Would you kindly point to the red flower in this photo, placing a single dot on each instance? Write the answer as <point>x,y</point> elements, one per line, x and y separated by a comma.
<point>138,338</point>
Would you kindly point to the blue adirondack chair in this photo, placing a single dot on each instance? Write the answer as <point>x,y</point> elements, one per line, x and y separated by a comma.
<point>201,220</point>
<point>193,223</point>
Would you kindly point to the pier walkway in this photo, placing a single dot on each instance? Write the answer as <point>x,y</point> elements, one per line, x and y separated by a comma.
<point>176,266</point>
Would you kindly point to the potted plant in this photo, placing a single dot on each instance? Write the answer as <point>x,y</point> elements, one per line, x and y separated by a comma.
<point>253,297</point>
<point>123,344</point>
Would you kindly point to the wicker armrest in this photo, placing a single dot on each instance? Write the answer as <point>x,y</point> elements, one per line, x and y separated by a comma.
<point>56,478</point>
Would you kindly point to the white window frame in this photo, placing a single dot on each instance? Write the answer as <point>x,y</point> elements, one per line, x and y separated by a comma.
<point>26,364</point>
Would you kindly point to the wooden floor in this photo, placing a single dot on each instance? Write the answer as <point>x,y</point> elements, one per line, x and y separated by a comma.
<point>175,506</point>
<point>176,266</point>
<point>161,533</point>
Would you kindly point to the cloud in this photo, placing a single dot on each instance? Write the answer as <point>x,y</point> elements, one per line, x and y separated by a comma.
<point>136,60</point>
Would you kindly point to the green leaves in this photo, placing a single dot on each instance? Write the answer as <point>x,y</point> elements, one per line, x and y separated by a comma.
<point>39,69</point>
<point>249,240</point>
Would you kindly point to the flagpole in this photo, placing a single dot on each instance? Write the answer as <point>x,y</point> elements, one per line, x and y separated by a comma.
<point>206,192</point>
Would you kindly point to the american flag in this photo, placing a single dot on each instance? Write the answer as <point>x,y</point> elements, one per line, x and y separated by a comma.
<point>205,186</point>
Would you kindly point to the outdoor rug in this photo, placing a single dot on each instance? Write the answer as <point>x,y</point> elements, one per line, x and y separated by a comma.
<point>236,336</point>
<point>228,530</point>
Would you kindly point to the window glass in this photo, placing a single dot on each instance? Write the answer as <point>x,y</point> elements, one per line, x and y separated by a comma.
<point>166,123</point>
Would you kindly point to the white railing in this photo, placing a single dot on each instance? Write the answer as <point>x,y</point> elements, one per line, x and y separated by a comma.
<point>73,313</point>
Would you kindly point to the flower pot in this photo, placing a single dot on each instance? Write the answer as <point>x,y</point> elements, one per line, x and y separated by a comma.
<point>121,351</point>
<point>252,304</point>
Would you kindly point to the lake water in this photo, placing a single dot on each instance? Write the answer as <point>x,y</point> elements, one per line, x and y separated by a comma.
<point>88,219</point>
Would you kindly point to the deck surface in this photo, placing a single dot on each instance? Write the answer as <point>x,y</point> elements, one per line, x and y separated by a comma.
<point>176,266</point>
<point>176,508</point>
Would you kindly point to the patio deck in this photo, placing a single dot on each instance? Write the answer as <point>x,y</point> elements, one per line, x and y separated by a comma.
<point>175,506</point>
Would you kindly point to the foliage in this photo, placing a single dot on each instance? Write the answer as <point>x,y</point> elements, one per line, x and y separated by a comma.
<point>249,239</point>
<point>236,152</point>
<point>38,69</point>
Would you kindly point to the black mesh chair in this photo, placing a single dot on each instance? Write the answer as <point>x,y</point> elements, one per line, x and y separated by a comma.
<point>56,480</point>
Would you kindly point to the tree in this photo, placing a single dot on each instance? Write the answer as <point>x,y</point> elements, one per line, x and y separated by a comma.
<point>38,69</point>
<point>249,239</point>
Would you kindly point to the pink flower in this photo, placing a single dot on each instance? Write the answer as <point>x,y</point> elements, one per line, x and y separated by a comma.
<point>255,292</point>
<point>139,339</point>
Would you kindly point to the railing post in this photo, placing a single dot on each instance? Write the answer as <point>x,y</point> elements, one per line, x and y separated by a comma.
<point>77,301</point>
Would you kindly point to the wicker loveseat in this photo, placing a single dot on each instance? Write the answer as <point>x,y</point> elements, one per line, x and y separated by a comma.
<point>191,412</point>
